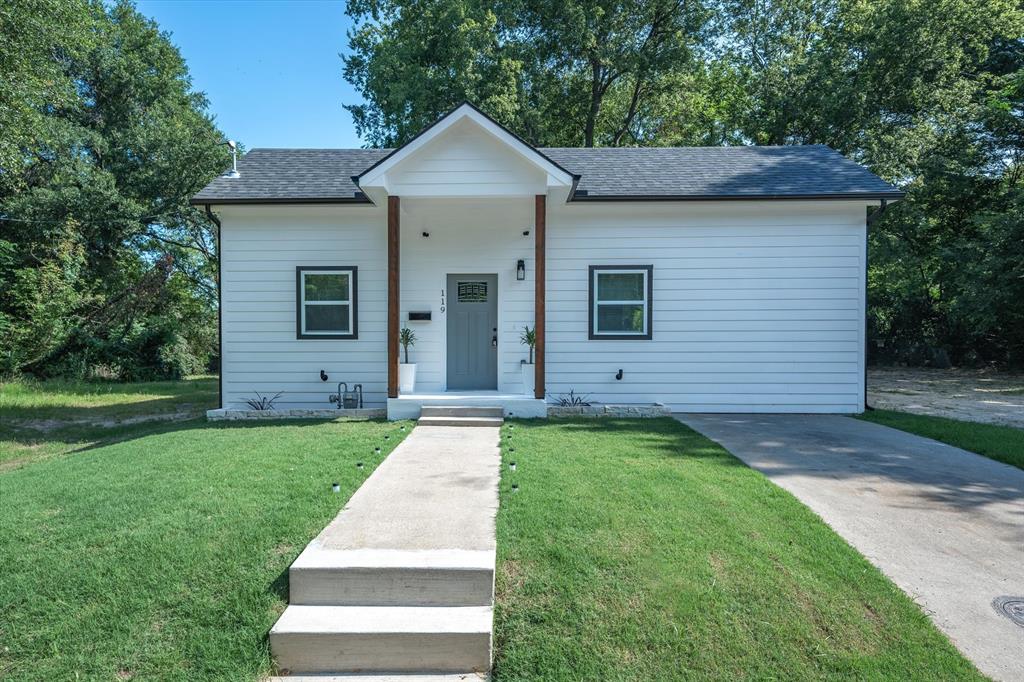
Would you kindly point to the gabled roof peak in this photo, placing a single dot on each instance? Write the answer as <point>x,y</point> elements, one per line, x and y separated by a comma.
<point>374,176</point>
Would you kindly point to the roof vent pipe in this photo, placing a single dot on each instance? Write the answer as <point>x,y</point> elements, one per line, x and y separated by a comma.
<point>233,173</point>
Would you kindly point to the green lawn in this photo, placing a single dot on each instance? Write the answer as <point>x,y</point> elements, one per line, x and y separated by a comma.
<point>1002,443</point>
<point>39,419</point>
<point>100,400</point>
<point>639,550</point>
<point>159,550</point>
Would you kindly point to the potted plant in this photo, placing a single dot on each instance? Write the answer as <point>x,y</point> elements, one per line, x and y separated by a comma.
<point>529,339</point>
<point>406,370</point>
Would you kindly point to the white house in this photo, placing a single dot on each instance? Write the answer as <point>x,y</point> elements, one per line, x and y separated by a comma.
<point>725,279</point>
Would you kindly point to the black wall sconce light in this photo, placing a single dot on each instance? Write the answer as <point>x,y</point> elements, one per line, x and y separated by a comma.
<point>520,269</point>
<point>426,234</point>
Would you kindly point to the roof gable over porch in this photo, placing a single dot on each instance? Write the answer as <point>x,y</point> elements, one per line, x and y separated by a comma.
<point>465,154</point>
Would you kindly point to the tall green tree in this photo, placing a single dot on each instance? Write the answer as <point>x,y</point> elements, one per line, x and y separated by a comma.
<point>561,73</point>
<point>102,258</point>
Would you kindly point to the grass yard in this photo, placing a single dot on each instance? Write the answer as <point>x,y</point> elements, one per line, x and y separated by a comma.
<point>1002,443</point>
<point>639,550</point>
<point>96,400</point>
<point>39,419</point>
<point>159,550</point>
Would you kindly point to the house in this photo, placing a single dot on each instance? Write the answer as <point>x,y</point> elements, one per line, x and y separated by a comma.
<point>725,279</point>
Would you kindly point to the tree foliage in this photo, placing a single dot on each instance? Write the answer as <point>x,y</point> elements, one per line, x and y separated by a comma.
<point>929,94</point>
<point>103,262</point>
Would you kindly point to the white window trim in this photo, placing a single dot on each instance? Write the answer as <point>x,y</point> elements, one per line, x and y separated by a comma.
<point>351,273</point>
<point>644,303</point>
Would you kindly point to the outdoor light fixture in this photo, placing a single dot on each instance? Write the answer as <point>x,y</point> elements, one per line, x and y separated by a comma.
<point>520,269</point>
<point>377,450</point>
<point>359,465</point>
<point>323,376</point>
<point>336,487</point>
<point>515,487</point>
<point>426,234</point>
<point>512,466</point>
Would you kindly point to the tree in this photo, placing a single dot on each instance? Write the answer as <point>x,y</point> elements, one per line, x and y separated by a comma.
<point>94,203</point>
<point>585,72</point>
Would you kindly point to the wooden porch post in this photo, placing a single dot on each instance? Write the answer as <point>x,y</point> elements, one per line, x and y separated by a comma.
<point>394,204</point>
<point>539,277</point>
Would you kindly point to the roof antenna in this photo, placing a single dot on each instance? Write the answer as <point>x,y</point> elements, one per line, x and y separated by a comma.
<point>233,173</point>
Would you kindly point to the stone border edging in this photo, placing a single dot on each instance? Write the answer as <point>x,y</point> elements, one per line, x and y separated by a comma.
<point>255,415</point>
<point>623,410</point>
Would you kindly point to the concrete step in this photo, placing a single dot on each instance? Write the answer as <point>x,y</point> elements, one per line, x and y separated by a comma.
<point>382,639</point>
<point>387,677</point>
<point>375,577</point>
<point>460,421</point>
<point>460,411</point>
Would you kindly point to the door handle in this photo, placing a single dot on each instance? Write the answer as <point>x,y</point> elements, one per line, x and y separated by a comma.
<point>494,341</point>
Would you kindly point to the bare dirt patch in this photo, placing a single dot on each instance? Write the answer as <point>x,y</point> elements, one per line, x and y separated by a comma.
<point>972,395</point>
<point>49,425</point>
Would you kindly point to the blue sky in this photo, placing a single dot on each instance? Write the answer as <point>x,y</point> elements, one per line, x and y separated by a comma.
<point>270,69</point>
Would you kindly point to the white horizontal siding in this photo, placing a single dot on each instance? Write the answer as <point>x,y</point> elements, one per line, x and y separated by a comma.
<point>262,246</point>
<point>757,307</point>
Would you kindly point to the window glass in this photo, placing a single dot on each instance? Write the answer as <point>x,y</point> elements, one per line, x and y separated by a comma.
<point>613,317</point>
<point>326,287</point>
<point>620,286</point>
<point>327,318</point>
<point>472,292</point>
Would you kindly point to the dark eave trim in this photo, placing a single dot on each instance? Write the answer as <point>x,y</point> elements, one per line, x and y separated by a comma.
<point>581,198</point>
<point>362,199</point>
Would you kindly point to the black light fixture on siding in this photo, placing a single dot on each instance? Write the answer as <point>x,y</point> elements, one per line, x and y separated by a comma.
<point>520,269</point>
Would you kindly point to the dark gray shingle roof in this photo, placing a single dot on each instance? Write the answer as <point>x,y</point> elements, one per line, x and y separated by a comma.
<point>697,172</point>
<point>294,175</point>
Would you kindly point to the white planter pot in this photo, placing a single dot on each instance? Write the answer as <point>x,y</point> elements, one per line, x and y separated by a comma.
<point>528,377</point>
<point>406,377</point>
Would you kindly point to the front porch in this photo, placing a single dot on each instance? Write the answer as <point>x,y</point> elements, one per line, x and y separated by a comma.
<point>466,239</point>
<point>408,406</point>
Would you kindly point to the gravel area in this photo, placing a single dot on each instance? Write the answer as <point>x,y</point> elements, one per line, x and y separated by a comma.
<point>971,395</point>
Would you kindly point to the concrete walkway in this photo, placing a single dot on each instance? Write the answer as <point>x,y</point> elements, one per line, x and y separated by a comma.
<point>437,490</point>
<point>946,525</point>
<point>401,582</point>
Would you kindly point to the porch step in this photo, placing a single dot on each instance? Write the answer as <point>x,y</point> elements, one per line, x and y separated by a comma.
<point>460,421</point>
<point>461,411</point>
<point>372,577</point>
<point>382,639</point>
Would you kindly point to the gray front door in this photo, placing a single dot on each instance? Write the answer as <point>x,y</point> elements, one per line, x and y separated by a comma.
<point>472,332</point>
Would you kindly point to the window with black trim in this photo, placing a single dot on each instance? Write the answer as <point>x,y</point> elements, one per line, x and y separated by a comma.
<point>620,301</point>
<point>326,303</point>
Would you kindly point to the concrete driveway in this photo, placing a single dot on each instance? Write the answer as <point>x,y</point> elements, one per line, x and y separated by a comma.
<point>944,524</point>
